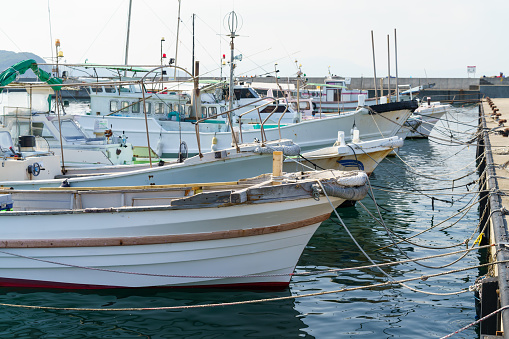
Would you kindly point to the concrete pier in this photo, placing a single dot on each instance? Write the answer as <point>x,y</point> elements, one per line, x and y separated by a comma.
<point>494,142</point>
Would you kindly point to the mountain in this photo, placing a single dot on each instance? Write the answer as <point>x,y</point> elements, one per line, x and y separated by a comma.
<point>9,58</point>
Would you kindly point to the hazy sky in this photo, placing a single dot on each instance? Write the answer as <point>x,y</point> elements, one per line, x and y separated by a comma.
<point>435,38</point>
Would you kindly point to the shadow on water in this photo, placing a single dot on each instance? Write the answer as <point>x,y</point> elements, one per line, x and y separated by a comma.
<point>259,320</point>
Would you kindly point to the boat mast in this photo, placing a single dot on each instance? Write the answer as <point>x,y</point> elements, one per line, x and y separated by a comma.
<point>127,39</point>
<point>177,44</point>
<point>233,23</point>
<point>374,66</point>
<point>389,70</point>
<point>396,59</point>
<point>194,15</point>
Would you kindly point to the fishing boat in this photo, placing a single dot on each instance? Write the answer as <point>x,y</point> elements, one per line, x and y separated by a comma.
<point>356,155</point>
<point>170,132</point>
<point>234,163</point>
<point>245,233</point>
<point>26,110</point>
<point>25,164</point>
<point>429,113</point>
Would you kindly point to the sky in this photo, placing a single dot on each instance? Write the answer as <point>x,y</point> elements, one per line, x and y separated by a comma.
<point>435,39</point>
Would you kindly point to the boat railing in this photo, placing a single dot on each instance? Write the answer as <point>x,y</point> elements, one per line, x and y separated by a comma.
<point>228,113</point>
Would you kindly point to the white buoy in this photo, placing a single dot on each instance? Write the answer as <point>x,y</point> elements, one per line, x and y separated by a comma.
<point>361,100</point>
<point>341,139</point>
<point>355,135</point>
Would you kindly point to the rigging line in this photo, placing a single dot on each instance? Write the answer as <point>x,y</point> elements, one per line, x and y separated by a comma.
<point>415,171</point>
<point>369,258</point>
<point>254,301</point>
<point>248,57</point>
<point>102,29</point>
<point>454,142</point>
<point>382,222</point>
<point>19,49</point>
<point>475,322</point>
<point>391,174</point>
<point>390,233</point>
<point>443,221</point>
<point>402,239</point>
<point>427,190</point>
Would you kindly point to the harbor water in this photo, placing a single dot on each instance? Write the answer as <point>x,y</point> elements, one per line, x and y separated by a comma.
<point>420,188</point>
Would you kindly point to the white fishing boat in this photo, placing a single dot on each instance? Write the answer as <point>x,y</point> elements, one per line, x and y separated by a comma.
<point>223,165</point>
<point>26,111</point>
<point>25,163</point>
<point>357,155</point>
<point>430,113</point>
<point>246,233</point>
<point>168,132</point>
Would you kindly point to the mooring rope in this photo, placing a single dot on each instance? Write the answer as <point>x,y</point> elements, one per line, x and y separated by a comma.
<point>475,322</point>
<point>253,301</point>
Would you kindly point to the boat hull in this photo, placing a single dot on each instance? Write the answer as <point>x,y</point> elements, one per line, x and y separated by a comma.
<point>248,245</point>
<point>308,134</point>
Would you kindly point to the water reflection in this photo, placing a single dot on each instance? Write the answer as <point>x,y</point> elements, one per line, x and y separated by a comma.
<point>273,319</point>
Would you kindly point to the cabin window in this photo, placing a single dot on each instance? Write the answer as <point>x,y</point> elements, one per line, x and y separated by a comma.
<point>125,106</point>
<point>136,107</point>
<point>39,129</point>
<point>182,110</point>
<point>159,108</point>
<point>114,106</point>
<point>204,112</point>
<point>270,108</point>
<point>223,109</point>
<point>110,89</point>
<point>245,93</point>
<point>170,107</point>
<point>148,107</point>
<point>95,89</point>
<point>135,88</point>
<point>212,111</point>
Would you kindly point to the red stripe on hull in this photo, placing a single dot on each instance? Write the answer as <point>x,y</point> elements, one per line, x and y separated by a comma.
<point>23,283</point>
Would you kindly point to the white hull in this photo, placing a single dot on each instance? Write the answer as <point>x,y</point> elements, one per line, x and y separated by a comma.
<point>226,165</point>
<point>241,243</point>
<point>363,156</point>
<point>308,134</point>
<point>430,115</point>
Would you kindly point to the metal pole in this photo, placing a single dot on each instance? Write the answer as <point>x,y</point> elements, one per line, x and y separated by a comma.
<point>146,124</point>
<point>60,131</point>
<point>128,31</point>
<point>396,59</point>
<point>389,69</point>
<point>374,66</point>
<point>177,44</point>
<point>194,15</point>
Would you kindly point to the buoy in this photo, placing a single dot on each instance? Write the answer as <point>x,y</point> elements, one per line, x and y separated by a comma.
<point>213,147</point>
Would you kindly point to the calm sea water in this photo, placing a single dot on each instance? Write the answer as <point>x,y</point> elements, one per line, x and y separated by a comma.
<point>388,312</point>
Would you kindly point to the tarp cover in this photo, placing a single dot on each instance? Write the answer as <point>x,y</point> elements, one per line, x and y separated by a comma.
<point>10,74</point>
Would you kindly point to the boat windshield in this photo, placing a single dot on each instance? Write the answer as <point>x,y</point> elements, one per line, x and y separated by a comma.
<point>5,141</point>
<point>245,93</point>
<point>70,131</point>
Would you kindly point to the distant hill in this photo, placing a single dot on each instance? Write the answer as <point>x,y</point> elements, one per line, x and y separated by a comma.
<point>9,58</point>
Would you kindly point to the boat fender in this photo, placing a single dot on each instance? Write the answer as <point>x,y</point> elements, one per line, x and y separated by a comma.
<point>290,150</point>
<point>213,147</point>
<point>352,179</point>
<point>347,193</point>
